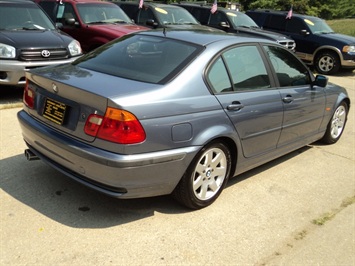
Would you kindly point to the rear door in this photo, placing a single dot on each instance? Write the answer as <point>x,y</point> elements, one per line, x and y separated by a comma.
<point>242,84</point>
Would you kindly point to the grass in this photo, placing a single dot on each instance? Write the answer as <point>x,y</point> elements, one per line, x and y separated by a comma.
<point>344,26</point>
<point>330,215</point>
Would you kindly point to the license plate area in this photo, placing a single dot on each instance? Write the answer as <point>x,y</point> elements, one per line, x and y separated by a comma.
<point>54,111</point>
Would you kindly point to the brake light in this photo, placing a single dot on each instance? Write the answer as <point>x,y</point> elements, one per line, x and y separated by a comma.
<point>117,126</point>
<point>28,96</point>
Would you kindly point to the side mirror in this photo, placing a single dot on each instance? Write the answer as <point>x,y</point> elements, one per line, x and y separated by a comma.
<point>224,25</point>
<point>70,21</point>
<point>321,81</point>
<point>59,25</point>
<point>151,23</point>
<point>304,32</point>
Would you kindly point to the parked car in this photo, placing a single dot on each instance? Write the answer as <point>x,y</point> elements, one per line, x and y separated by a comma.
<point>158,15</point>
<point>161,112</point>
<point>29,39</point>
<point>317,44</point>
<point>92,22</point>
<point>234,21</point>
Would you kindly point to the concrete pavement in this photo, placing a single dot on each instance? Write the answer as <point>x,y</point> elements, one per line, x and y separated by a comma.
<point>296,210</point>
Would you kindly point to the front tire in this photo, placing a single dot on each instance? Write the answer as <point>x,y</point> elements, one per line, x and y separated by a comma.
<point>327,63</point>
<point>205,178</point>
<point>336,125</point>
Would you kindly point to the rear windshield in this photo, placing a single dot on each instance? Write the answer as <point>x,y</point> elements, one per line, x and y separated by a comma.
<point>15,16</point>
<point>142,58</point>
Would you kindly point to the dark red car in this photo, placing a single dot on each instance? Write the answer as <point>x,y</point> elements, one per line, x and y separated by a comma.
<point>91,22</point>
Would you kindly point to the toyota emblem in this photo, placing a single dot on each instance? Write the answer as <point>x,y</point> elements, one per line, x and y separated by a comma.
<point>45,53</point>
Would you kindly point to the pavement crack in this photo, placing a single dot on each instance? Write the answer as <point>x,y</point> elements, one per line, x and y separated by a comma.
<point>296,238</point>
<point>331,153</point>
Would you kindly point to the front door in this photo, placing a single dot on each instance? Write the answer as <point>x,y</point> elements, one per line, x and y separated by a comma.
<point>301,101</point>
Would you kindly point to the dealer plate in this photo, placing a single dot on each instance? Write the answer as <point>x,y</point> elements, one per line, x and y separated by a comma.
<point>54,111</point>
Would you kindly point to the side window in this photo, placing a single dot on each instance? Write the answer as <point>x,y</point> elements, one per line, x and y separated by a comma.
<point>65,12</point>
<point>275,22</point>
<point>49,8</point>
<point>295,25</point>
<point>218,78</point>
<point>217,18</point>
<point>289,70</point>
<point>144,15</point>
<point>246,68</point>
<point>201,14</point>
<point>130,10</point>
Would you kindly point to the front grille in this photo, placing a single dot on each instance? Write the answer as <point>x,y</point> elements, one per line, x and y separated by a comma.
<point>36,54</point>
<point>288,44</point>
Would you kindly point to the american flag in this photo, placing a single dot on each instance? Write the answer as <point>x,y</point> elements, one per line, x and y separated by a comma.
<point>289,14</point>
<point>214,7</point>
<point>141,3</point>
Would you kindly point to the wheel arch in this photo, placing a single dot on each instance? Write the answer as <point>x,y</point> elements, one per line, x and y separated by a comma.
<point>225,133</point>
<point>232,147</point>
<point>326,48</point>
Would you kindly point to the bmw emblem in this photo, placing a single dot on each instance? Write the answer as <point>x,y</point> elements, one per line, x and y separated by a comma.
<point>45,53</point>
<point>54,87</point>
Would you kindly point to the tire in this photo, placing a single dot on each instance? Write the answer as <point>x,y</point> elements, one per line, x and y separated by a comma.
<point>327,63</point>
<point>205,178</point>
<point>336,125</point>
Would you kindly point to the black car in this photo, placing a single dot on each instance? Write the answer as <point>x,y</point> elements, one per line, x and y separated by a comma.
<point>29,39</point>
<point>157,15</point>
<point>317,44</point>
<point>235,22</point>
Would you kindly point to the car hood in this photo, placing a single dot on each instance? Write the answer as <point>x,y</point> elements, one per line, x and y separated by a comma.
<point>197,27</point>
<point>117,29</point>
<point>34,38</point>
<point>340,37</point>
<point>263,33</point>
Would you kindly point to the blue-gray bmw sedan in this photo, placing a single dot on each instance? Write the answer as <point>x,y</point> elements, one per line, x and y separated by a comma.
<point>176,112</point>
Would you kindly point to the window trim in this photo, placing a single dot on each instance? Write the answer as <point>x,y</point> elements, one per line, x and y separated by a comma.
<point>267,64</point>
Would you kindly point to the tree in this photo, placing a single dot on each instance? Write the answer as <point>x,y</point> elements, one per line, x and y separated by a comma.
<point>326,9</point>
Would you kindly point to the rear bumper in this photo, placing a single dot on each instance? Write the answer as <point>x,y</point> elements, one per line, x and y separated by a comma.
<point>12,72</point>
<point>117,175</point>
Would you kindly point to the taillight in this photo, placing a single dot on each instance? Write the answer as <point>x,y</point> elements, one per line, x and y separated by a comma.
<point>116,126</point>
<point>29,96</point>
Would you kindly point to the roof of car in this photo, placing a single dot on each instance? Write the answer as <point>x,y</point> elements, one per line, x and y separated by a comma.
<point>77,1</point>
<point>154,4</point>
<point>281,12</point>
<point>16,1</point>
<point>206,6</point>
<point>200,37</point>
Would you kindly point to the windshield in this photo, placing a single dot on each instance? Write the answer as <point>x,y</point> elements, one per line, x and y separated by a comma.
<point>102,13</point>
<point>23,17</point>
<point>139,57</point>
<point>239,19</point>
<point>318,26</point>
<point>174,15</point>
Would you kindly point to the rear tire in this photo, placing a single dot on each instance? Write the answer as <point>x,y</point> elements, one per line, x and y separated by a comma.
<point>327,63</point>
<point>336,125</point>
<point>205,178</point>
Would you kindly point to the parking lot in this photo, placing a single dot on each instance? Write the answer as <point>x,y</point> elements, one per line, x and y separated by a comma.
<point>297,209</point>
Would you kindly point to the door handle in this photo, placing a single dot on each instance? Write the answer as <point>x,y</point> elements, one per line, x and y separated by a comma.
<point>235,106</point>
<point>287,99</point>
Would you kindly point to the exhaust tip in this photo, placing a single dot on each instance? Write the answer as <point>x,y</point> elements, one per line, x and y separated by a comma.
<point>30,156</point>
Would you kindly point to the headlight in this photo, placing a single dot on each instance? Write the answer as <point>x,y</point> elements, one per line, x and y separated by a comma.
<point>7,51</point>
<point>349,49</point>
<point>75,48</point>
